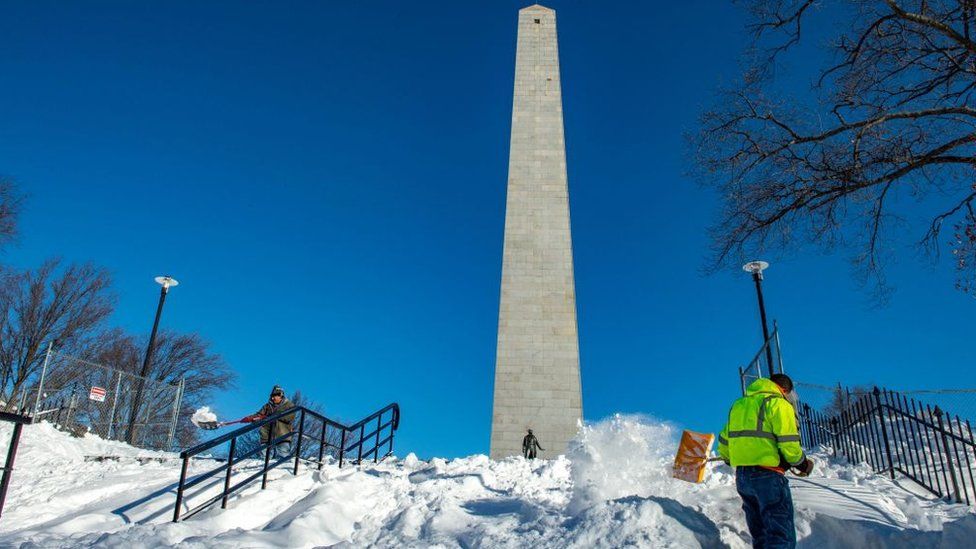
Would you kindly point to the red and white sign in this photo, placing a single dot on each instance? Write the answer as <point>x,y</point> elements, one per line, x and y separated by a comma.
<point>97,393</point>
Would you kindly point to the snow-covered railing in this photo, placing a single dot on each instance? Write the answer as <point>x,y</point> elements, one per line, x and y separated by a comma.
<point>387,421</point>
<point>8,466</point>
<point>896,434</point>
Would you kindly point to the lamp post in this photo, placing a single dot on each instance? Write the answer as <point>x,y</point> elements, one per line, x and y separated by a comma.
<point>166,282</point>
<point>757,268</point>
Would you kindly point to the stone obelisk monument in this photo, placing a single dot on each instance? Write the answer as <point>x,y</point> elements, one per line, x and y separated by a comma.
<point>537,376</point>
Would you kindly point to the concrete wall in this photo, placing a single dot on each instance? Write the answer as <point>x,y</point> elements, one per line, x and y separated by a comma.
<point>537,381</point>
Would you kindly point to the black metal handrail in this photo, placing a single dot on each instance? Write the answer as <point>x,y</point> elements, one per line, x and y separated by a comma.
<point>8,466</point>
<point>896,434</point>
<point>323,440</point>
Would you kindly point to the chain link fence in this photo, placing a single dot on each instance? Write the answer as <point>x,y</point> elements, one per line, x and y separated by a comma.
<point>768,361</point>
<point>82,396</point>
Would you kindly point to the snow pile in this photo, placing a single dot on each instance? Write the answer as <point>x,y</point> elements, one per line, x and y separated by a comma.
<point>622,456</point>
<point>612,489</point>
<point>203,415</point>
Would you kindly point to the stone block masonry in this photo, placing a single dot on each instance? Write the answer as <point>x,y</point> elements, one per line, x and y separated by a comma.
<point>537,376</point>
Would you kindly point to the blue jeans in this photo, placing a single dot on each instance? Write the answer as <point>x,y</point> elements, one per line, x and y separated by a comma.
<point>768,505</point>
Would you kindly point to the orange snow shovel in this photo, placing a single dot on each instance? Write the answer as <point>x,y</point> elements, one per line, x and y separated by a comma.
<point>692,456</point>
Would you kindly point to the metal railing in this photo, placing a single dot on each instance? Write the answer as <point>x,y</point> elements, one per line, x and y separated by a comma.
<point>8,466</point>
<point>324,442</point>
<point>893,434</point>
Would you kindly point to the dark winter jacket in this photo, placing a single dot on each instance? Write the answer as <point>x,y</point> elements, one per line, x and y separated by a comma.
<point>282,426</point>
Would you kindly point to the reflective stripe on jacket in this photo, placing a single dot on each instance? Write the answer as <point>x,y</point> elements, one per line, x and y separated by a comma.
<point>761,429</point>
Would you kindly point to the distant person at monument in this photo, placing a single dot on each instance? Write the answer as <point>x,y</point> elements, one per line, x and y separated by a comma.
<point>529,445</point>
<point>277,402</point>
<point>762,442</point>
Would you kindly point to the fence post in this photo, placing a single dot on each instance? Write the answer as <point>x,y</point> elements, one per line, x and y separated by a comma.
<point>376,448</point>
<point>884,431</point>
<point>806,416</point>
<point>230,472</point>
<point>325,427</point>
<point>779,350</point>
<point>176,412</point>
<point>115,403</point>
<point>933,447</point>
<point>71,410</point>
<point>835,433</point>
<point>301,435</point>
<point>948,458</point>
<point>267,459</point>
<point>179,490</point>
<point>359,458</point>
<point>40,385</point>
<point>342,447</point>
<point>742,381</point>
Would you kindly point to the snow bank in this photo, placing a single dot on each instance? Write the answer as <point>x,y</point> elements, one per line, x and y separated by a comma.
<point>611,489</point>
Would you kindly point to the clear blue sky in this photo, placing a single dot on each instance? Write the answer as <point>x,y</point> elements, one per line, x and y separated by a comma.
<point>327,180</point>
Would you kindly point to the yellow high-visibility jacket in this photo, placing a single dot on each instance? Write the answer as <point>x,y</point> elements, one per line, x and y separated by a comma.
<point>761,429</point>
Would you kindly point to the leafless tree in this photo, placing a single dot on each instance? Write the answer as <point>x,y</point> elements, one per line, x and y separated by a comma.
<point>51,303</point>
<point>890,119</point>
<point>10,204</point>
<point>841,399</point>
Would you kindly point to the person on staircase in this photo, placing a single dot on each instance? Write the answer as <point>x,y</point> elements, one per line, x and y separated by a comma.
<point>277,402</point>
<point>529,445</point>
<point>762,442</point>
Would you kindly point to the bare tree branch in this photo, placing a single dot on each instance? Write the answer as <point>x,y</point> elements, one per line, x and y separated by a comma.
<point>65,304</point>
<point>11,202</point>
<point>893,118</point>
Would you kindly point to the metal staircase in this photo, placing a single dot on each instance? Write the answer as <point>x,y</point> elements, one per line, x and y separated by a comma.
<point>314,429</point>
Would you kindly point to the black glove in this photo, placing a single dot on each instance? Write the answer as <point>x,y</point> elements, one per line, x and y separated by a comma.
<point>804,469</point>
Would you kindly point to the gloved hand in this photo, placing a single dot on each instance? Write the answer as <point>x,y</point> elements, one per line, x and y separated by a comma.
<point>804,469</point>
<point>252,418</point>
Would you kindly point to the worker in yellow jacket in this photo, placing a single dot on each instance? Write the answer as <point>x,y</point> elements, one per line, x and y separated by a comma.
<point>762,442</point>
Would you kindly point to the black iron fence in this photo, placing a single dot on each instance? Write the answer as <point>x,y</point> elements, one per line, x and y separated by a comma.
<point>890,431</point>
<point>318,430</point>
<point>894,433</point>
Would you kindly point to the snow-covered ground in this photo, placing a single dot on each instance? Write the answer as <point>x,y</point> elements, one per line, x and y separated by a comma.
<point>613,489</point>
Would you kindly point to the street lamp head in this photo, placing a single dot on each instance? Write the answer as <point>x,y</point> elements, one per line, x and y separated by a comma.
<point>755,267</point>
<point>167,282</point>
